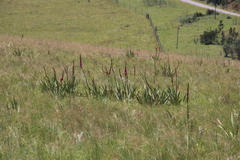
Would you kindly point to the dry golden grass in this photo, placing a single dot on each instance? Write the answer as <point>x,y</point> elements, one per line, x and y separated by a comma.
<point>84,49</point>
<point>114,129</point>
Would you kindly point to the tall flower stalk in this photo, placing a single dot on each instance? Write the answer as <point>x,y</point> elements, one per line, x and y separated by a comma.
<point>61,86</point>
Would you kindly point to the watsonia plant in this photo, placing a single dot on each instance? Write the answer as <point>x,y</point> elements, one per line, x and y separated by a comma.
<point>67,84</point>
<point>169,71</point>
<point>152,95</point>
<point>174,93</point>
<point>156,58</point>
<point>130,53</point>
<point>18,51</point>
<point>117,87</point>
<point>93,88</point>
<point>124,89</point>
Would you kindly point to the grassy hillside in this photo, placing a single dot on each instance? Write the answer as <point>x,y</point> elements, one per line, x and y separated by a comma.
<point>40,124</point>
<point>98,23</point>
<point>61,99</point>
<point>167,19</point>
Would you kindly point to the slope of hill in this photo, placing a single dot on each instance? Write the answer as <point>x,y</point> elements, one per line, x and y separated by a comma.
<point>97,22</point>
<point>61,99</point>
<point>170,17</point>
<point>37,123</point>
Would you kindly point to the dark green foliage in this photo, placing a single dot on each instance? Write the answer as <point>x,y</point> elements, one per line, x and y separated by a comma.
<point>189,20</point>
<point>198,14</point>
<point>230,43</point>
<point>224,2</point>
<point>236,47</point>
<point>221,2</point>
<point>232,35</point>
<point>232,48</point>
<point>227,48</point>
<point>192,19</point>
<point>220,26</point>
<point>151,3</point>
<point>211,36</point>
<point>210,12</point>
<point>215,2</point>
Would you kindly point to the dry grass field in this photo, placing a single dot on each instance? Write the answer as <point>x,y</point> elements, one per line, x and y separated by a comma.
<point>67,99</point>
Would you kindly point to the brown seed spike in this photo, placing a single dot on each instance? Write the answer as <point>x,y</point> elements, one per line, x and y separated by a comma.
<point>80,61</point>
<point>134,70</point>
<point>45,73</point>
<point>187,93</point>
<point>54,72</point>
<point>73,68</point>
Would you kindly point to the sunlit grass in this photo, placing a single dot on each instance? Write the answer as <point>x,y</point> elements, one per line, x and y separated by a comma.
<point>38,124</point>
<point>98,23</point>
<point>167,20</point>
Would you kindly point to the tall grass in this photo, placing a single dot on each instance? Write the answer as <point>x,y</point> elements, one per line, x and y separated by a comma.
<point>113,85</point>
<point>111,104</point>
<point>39,124</point>
<point>66,84</point>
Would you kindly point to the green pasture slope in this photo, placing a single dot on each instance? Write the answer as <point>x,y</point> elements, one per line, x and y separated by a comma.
<point>98,23</point>
<point>61,98</point>
<point>167,19</point>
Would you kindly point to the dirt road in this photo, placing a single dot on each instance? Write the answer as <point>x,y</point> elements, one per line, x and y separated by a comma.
<point>209,7</point>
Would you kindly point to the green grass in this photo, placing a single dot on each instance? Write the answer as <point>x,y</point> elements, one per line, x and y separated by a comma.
<point>167,20</point>
<point>98,23</point>
<point>106,23</point>
<point>37,124</point>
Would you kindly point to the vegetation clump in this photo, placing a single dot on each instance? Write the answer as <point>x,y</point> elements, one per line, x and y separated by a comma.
<point>230,43</point>
<point>194,18</point>
<point>211,12</point>
<point>114,85</point>
<point>211,36</point>
<point>151,3</point>
<point>67,84</point>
